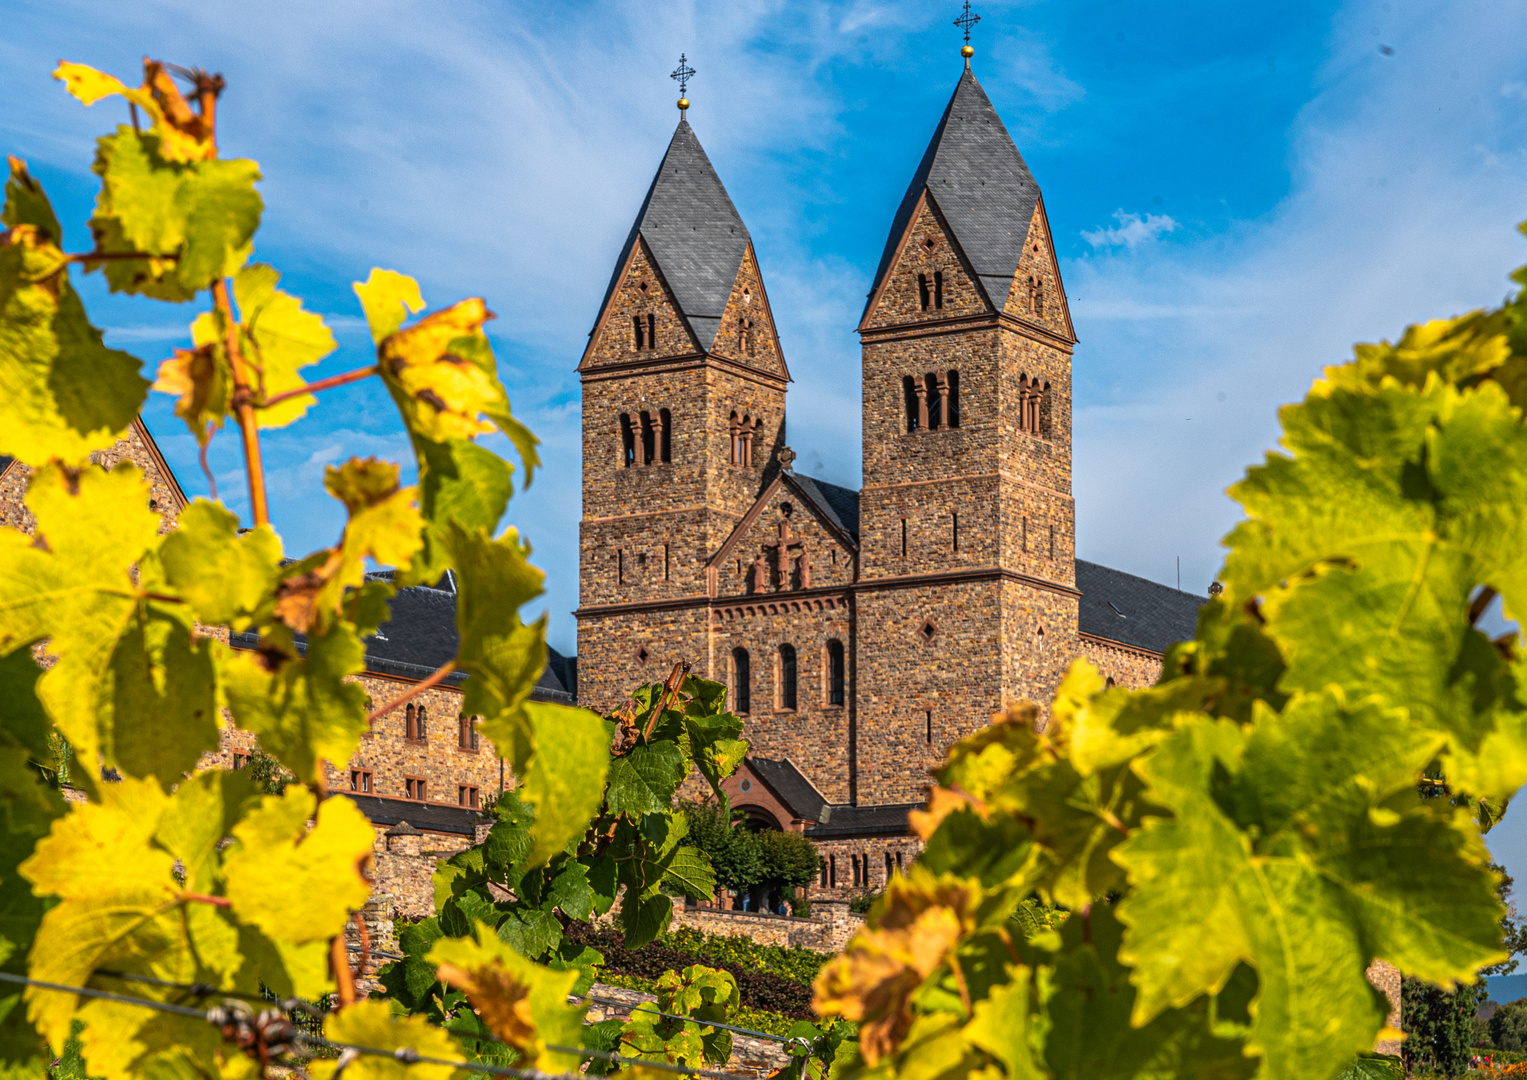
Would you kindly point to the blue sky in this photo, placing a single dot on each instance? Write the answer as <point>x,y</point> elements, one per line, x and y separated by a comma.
<point>1238,192</point>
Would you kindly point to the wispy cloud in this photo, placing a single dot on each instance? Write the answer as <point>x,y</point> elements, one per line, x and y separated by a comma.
<point>1132,230</point>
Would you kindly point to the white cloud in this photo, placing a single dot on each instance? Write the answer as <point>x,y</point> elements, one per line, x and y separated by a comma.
<point>1132,230</point>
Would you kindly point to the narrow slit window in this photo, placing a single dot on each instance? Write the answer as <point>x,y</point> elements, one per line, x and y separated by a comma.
<point>903,538</point>
<point>1052,541</point>
<point>620,566</point>
<point>742,679</point>
<point>952,400</point>
<point>928,719</point>
<point>954,529</point>
<point>888,867</point>
<point>832,870</point>
<point>835,673</point>
<point>665,436</point>
<point>787,677</point>
<point>665,562</point>
<point>938,289</point>
<point>652,331</point>
<point>1025,536</point>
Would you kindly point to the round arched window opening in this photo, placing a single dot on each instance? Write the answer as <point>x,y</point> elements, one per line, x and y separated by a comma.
<point>747,786</point>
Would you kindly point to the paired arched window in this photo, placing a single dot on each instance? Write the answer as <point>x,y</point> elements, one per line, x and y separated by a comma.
<point>413,723</point>
<point>742,678</point>
<point>1036,297</point>
<point>646,438</point>
<point>741,432</point>
<point>787,673</point>
<point>932,400</point>
<point>466,733</point>
<point>930,290</point>
<point>835,673</point>
<point>1033,405</point>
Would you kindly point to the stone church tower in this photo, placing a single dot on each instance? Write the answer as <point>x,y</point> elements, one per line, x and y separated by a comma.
<point>967,591</point>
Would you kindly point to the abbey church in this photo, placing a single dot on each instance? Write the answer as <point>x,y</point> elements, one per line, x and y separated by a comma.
<point>860,632</point>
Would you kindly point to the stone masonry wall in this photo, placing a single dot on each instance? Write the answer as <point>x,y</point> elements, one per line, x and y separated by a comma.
<point>1122,664</point>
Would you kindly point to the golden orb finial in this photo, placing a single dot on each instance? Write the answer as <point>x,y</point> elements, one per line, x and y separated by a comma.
<point>683,103</point>
<point>967,52</point>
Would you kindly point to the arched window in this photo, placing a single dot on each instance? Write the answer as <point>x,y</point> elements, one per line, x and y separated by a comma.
<point>787,676</point>
<point>665,438</point>
<point>1030,404</point>
<point>627,442</point>
<point>933,384</point>
<point>835,673</point>
<point>938,289</point>
<point>420,722</point>
<point>466,733</point>
<point>410,720</point>
<point>952,399</point>
<point>909,391</point>
<point>742,440</point>
<point>742,678</point>
<point>922,291</point>
<point>646,332</point>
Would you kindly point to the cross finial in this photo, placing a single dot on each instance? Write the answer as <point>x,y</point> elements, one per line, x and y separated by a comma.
<point>683,73</point>
<point>966,20</point>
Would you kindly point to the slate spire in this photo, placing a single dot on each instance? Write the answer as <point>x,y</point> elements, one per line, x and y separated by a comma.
<point>695,234</point>
<point>974,173</point>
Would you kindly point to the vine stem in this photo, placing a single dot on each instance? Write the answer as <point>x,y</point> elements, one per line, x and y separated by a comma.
<point>249,425</point>
<point>418,688</point>
<point>322,384</point>
<point>202,898</point>
<point>675,680</point>
<point>116,256</point>
<point>344,978</point>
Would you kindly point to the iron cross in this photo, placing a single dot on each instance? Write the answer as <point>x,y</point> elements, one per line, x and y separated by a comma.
<point>684,73</point>
<point>966,20</point>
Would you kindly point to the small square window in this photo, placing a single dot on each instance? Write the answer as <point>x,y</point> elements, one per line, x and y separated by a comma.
<point>414,788</point>
<point>360,781</point>
<point>466,796</point>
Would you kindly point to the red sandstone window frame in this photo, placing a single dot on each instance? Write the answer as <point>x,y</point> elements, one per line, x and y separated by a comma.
<point>466,734</point>
<point>416,724</point>
<point>468,795</point>
<point>786,678</point>
<point>416,788</point>
<point>834,675</point>
<point>362,781</point>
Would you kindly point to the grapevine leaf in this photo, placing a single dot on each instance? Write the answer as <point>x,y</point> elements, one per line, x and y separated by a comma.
<point>223,575</point>
<point>523,1003</point>
<point>503,657</point>
<point>459,482</point>
<point>1347,863</point>
<point>570,891</point>
<point>1001,1023</point>
<point>74,585</point>
<point>565,781</point>
<point>388,298</point>
<point>198,217</point>
<point>371,1023</point>
<point>28,807</point>
<point>280,339</point>
<point>717,746</point>
<point>301,707</point>
<point>643,917</point>
<point>186,135</point>
<point>62,392</point>
<point>159,704</point>
<point>690,872</point>
<point>27,204</point>
<point>294,884</point>
<point>202,381</point>
<point>644,781</point>
<point>200,817</point>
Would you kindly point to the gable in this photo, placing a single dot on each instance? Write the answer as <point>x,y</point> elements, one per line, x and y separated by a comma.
<point>641,303</point>
<point>1037,295</point>
<point>746,331</point>
<point>928,278</point>
<point>817,553</point>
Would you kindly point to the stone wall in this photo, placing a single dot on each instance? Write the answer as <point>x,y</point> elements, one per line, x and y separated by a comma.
<point>857,866</point>
<point>1122,665</point>
<point>827,930</point>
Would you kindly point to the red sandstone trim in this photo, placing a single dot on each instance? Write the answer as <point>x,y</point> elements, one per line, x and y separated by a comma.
<point>683,362</point>
<point>966,324</point>
<point>974,476</point>
<point>163,466</point>
<point>954,577</point>
<point>1109,643</point>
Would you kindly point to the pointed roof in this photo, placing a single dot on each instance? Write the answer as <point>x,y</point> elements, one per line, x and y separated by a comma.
<point>694,233</point>
<point>981,185</point>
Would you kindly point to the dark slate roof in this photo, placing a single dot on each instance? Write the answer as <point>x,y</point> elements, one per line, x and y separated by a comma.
<point>1122,607</point>
<point>430,817</point>
<point>421,635</point>
<point>694,232</point>
<point>840,504</point>
<point>790,786</point>
<point>982,187</point>
<point>861,821</point>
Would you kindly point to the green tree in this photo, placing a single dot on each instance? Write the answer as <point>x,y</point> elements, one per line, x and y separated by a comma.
<point>1508,1027</point>
<point>789,859</point>
<point>1440,1026</point>
<point>733,850</point>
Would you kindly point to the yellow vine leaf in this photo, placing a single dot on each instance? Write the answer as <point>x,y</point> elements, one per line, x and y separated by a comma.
<point>299,885</point>
<point>184,136</point>
<point>371,1023</point>
<point>74,586</point>
<point>435,367</point>
<point>873,980</point>
<point>388,298</point>
<point>522,1002</point>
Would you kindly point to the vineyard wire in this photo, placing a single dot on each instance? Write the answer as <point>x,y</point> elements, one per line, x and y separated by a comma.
<point>407,1054</point>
